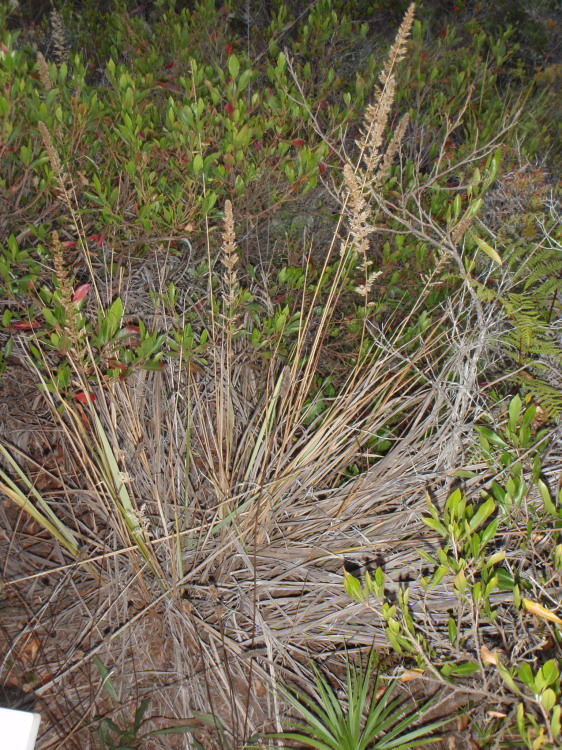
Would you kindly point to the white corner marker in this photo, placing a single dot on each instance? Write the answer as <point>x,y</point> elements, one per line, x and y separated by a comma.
<point>18,729</point>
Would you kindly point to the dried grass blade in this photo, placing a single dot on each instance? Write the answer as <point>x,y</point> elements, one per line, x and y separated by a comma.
<point>118,491</point>
<point>266,424</point>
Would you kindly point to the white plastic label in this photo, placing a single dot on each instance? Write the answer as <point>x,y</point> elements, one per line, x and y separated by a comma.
<point>18,729</point>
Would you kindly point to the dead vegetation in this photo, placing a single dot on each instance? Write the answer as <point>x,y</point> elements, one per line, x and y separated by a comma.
<point>183,531</point>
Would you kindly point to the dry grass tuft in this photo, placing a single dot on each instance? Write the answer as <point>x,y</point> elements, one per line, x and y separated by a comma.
<point>214,515</point>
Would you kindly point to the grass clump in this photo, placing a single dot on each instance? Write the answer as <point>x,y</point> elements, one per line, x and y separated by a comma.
<point>222,432</point>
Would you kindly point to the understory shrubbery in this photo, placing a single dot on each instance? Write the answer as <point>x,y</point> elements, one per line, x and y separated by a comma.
<point>280,357</point>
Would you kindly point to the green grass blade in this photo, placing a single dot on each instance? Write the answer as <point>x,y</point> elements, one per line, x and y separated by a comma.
<point>48,520</point>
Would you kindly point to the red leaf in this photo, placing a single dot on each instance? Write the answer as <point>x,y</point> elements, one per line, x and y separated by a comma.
<point>97,238</point>
<point>80,292</point>
<point>169,86</point>
<point>322,167</point>
<point>114,364</point>
<point>68,243</point>
<point>298,142</point>
<point>84,398</point>
<point>132,329</point>
<point>229,49</point>
<point>169,65</point>
<point>22,325</point>
<point>229,108</point>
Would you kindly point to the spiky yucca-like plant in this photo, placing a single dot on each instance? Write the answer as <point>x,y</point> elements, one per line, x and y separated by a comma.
<point>373,718</point>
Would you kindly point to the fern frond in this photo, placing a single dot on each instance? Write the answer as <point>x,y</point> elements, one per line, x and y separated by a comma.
<point>548,396</point>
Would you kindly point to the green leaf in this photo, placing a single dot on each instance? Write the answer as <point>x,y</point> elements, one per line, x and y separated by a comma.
<point>514,412</point>
<point>489,532</point>
<point>456,504</point>
<point>457,205</point>
<point>529,415</point>
<point>426,556</point>
<point>547,500</point>
<point>113,317</point>
<point>465,474</point>
<point>507,677</point>
<point>488,249</point>
<point>242,137</point>
<point>555,724</point>
<point>25,155</point>
<point>549,672</point>
<point>506,581</point>
<point>485,510</point>
<point>439,574</point>
<point>494,166</point>
<point>496,558</point>
<point>452,631</point>
<point>460,581</point>
<point>106,679</point>
<point>463,670</point>
<point>49,317</point>
<point>548,699</point>
<point>139,715</point>
<point>197,164</point>
<point>435,525</point>
<point>244,80</point>
<point>491,436</point>
<point>233,66</point>
<point>352,586</point>
<point>525,674</point>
